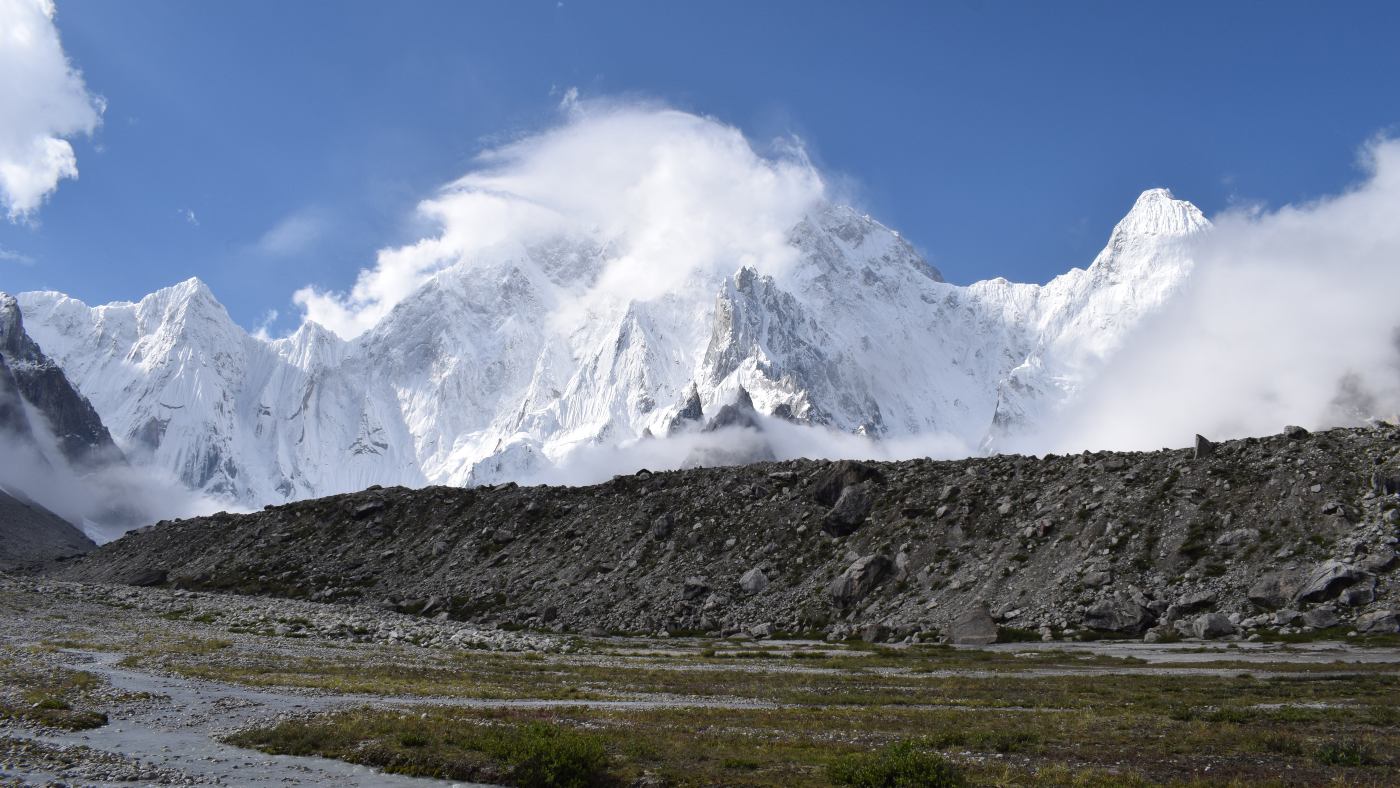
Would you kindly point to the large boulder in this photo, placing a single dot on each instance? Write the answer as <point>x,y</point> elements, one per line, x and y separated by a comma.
<point>1385,480</point>
<point>1321,617</point>
<point>851,509</point>
<point>1379,622</point>
<point>1205,448</point>
<point>753,581</point>
<point>1377,561</point>
<point>1327,580</point>
<point>1209,626</point>
<point>859,579</point>
<point>1273,590</point>
<point>833,481</point>
<point>974,627</point>
<point>1122,612</point>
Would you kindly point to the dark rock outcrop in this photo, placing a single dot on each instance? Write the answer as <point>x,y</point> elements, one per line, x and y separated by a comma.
<point>26,372</point>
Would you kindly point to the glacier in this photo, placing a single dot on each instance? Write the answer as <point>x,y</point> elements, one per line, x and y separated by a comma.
<point>496,368</point>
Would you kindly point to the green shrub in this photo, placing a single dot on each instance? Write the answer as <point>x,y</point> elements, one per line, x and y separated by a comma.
<point>898,765</point>
<point>1345,752</point>
<point>546,756</point>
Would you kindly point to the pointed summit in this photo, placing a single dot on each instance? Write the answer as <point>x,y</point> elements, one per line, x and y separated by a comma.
<point>1157,212</point>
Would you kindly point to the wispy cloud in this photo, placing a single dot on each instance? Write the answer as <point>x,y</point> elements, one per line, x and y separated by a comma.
<point>188,215</point>
<point>293,235</point>
<point>264,327</point>
<point>11,256</point>
<point>42,101</point>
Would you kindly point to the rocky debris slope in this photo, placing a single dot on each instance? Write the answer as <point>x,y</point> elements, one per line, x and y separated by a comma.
<point>294,619</point>
<point>1283,533</point>
<point>31,534</point>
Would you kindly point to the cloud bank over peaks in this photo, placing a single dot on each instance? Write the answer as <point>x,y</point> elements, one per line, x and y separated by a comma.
<point>1290,316</point>
<point>42,101</point>
<point>664,194</point>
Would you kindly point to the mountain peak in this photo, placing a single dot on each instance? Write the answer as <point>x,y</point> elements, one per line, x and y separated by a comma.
<point>190,287</point>
<point>1158,212</point>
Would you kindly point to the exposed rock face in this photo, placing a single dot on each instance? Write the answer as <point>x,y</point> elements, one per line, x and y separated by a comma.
<point>26,372</point>
<point>31,534</point>
<point>46,423</point>
<point>1017,533</point>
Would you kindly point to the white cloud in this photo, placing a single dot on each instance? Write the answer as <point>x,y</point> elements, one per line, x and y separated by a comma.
<point>667,193</point>
<point>264,329</point>
<point>1290,317</point>
<point>42,100</point>
<point>11,256</point>
<point>569,101</point>
<point>292,235</point>
<point>188,215</point>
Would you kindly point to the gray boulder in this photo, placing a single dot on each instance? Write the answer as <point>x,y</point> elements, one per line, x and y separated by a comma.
<point>1360,594</point>
<point>1204,448</point>
<point>1379,560</point>
<point>662,526</point>
<point>1192,603</point>
<point>1273,590</point>
<point>1379,622</point>
<point>838,476</point>
<point>753,581</point>
<point>850,510</point>
<point>1327,581</point>
<point>1385,480</point>
<point>1321,617</point>
<point>1209,626</point>
<point>859,579</point>
<point>1122,612</point>
<point>974,627</point>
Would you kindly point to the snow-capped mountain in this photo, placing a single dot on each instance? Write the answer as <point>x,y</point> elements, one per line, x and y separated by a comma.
<point>499,366</point>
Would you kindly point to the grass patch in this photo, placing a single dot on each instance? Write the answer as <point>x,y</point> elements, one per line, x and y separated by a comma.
<point>50,698</point>
<point>1345,752</point>
<point>901,764</point>
<point>528,753</point>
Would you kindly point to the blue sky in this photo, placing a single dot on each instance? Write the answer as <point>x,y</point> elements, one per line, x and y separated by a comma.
<point>264,146</point>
